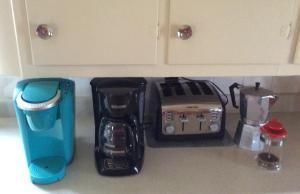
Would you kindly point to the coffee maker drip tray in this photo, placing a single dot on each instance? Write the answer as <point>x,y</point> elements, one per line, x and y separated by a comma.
<point>47,170</point>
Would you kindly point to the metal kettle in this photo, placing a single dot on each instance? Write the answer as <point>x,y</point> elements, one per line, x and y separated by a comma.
<point>255,103</point>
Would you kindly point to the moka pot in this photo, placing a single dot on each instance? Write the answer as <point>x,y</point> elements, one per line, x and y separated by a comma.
<point>255,103</point>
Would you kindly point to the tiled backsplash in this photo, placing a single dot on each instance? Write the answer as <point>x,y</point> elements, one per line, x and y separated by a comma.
<point>288,89</point>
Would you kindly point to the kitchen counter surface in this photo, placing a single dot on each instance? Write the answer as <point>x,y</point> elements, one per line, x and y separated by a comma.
<point>224,170</point>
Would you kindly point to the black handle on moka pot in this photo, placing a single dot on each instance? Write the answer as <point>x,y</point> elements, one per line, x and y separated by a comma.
<point>231,89</point>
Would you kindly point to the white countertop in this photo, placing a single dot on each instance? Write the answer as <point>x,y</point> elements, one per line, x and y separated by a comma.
<point>224,170</point>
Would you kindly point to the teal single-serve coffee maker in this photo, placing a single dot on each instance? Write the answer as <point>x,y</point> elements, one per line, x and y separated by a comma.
<point>45,113</point>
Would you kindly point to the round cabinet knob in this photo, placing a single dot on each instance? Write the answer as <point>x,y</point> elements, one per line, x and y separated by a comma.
<point>214,127</point>
<point>44,31</point>
<point>170,129</point>
<point>185,32</point>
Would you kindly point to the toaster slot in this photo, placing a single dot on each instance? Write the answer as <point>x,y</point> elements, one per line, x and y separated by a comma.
<point>167,91</point>
<point>193,88</point>
<point>178,89</point>
<point>205,88</point>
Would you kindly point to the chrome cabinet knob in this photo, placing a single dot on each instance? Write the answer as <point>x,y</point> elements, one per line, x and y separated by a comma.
<point>44,31</point>
<point>185,32</point>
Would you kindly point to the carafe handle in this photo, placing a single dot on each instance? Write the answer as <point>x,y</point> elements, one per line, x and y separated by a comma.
<point>231,89</point>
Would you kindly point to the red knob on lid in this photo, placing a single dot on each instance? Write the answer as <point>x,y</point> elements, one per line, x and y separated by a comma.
<point>274,129</point>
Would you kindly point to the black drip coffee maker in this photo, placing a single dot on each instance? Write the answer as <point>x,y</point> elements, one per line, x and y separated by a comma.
<point>118,113</point>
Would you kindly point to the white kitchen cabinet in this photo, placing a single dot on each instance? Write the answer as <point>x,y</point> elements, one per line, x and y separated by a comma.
<point>9,64</point>
<point>93,32</point>
<point>297,48</point>
<point>112,38</point>
<point>231,31</point>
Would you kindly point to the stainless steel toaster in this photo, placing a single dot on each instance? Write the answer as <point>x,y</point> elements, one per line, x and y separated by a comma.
<point>187,110</point>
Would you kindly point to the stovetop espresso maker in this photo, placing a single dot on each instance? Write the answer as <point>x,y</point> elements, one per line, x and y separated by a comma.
<point>255,104</point>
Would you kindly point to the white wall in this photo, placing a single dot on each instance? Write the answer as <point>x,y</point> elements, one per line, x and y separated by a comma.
<point>288,89</point>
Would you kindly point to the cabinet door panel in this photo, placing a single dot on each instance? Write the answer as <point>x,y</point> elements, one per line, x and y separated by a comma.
<point>231,31</point>
<point>94,31</point>
<point>9,64</point>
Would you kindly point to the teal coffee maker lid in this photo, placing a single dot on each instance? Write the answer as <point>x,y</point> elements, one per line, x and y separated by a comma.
<point>39,95</point>
<point>40,91</point>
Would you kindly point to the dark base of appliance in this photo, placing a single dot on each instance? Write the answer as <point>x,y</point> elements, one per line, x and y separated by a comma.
<point>160,137</point>
<point>117,167</point>
<point>225,140</point>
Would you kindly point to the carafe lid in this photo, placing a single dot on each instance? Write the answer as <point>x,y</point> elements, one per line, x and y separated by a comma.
<point>274,129</point>
<point>256,90</point>
<point>40,91</point>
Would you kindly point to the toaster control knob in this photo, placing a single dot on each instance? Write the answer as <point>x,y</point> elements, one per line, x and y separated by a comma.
<point>214,127</point>
<point>170,129</point>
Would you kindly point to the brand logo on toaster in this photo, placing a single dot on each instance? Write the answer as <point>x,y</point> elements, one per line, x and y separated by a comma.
<point>191,106</point>
<point>115,106</point>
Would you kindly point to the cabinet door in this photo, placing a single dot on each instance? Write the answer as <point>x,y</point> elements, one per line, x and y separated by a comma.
<point>231,31</point>
<point>296,58</point>
<point>9,64</point>
<point>94,31</point>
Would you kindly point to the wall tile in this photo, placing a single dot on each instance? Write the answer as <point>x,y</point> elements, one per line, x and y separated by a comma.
<point>225,82</point>
<point>229,107</point>
<point>3,109</point>
<point>6,108</point>
<point>296,102</point>
<point>284,103</point>
<point>265,82</point>
<point>84,106</point>
<point>288,89</point>
<point>7,86</point>
<point>289,84</point>
<point>82,85</point>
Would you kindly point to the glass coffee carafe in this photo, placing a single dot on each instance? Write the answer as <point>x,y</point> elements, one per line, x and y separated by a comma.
<point>119,114</point>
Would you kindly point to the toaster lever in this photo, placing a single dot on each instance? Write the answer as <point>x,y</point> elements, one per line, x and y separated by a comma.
<point>201,119</point>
